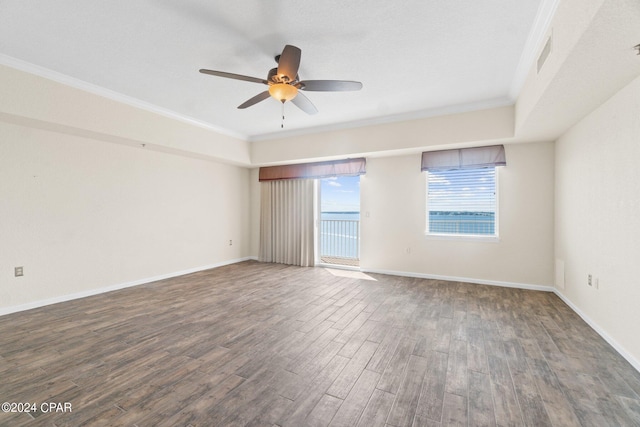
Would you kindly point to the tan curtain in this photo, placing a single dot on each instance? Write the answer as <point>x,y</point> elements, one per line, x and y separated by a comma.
<point>286,222</point>
<point>346,167</point>
<point>464,158</point>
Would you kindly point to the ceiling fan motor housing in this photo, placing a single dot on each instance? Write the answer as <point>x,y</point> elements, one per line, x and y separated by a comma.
<point>273,77</point>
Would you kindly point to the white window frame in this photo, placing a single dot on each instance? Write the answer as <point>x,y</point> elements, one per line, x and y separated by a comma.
<point>467,237</point>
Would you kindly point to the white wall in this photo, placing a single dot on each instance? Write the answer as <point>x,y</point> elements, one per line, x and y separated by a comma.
<point>81,214</point>
<point>393,192</point>
<point>598,216</point>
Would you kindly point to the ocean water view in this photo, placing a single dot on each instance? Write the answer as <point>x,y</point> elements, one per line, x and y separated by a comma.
<point>340,231</point>
<point>340,215</point>
<point>448,222</point>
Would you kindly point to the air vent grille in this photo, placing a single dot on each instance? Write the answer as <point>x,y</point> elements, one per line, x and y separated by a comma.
<point>546,50</point>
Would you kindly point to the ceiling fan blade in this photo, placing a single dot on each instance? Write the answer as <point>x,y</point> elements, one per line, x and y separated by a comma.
<point>330,85</point>
<point>259,97</point>
<point>289,62</point>
<point>234,76</point>
<point>303,103</point>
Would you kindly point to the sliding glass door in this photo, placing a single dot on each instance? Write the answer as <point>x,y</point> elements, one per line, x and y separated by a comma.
<point>339,222</point>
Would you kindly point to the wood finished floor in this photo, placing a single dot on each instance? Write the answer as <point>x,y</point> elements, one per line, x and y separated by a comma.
<point>272,345</point>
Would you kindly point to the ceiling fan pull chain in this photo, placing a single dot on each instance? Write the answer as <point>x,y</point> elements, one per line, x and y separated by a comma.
<point>282,123</point>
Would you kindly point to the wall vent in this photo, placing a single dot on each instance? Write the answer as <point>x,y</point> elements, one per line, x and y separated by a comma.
<point>546,50</point>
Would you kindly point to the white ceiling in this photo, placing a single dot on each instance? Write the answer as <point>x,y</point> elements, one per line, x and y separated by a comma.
<point>414,58</point>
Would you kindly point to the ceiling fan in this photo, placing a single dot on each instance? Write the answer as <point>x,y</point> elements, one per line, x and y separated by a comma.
<point>284,82</point>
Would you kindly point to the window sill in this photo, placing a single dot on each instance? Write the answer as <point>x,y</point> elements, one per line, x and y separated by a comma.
<point>462,237</point>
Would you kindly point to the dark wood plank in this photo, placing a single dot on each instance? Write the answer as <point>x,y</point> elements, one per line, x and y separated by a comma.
<point>476,354</point>
<point>268,344</point>
<point>431,400</point>
<point>505,404</point>
<point>394,372</point>
<point>356,401</point>
<point>312,394</point>
<point>349,375</point>
<point>558,407</point>
<point>406,402</point>
<point>377,409</point>
<point>457,373</point>
<point>357,339</point>
<point>454,410</point>
<point>385,351</point>
<point>323,412</point>
<point>480,401</point>
<point>632,409</point>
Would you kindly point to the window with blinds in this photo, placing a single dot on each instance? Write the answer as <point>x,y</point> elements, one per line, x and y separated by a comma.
<point>462,202</point>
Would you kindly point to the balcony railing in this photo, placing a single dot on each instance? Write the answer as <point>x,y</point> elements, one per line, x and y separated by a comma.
<point>461,227</point>
<point>340,241</point>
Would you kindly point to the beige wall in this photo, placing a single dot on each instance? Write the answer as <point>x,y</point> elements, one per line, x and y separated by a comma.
<point>42,103</point>
<point>255,213</point>
<point>393,194</point>
<point>570,21</point>
<point>598,216</point>
<point>81,214</point>
<point>463,129</point>
<point>591,58</point>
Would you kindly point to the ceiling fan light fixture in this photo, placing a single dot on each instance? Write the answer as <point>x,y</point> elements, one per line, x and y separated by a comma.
<point>284,82</point>
<point>283,92</point>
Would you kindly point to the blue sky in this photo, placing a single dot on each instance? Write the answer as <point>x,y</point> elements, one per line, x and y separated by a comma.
<point>469,190</point>
<point>471,193</point>
<point>340,194</point>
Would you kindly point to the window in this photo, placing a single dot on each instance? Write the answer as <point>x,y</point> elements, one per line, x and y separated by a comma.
<point>462,202</point>
<point>461,190</point>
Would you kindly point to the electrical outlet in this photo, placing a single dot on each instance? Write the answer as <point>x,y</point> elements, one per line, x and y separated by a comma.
<point>18,271</point>
<point>590,280</point>
<point>230,242</point>
<point>408,250</point>
<point>597,283</point>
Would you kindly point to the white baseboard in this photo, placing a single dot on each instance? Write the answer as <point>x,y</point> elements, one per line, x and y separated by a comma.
<point>462,279</point>
<point>90,292</point>
<point>617,347</point>
<point>338,267</point>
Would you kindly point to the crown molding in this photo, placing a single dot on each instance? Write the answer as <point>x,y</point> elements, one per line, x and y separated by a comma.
<point>73,82</point>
